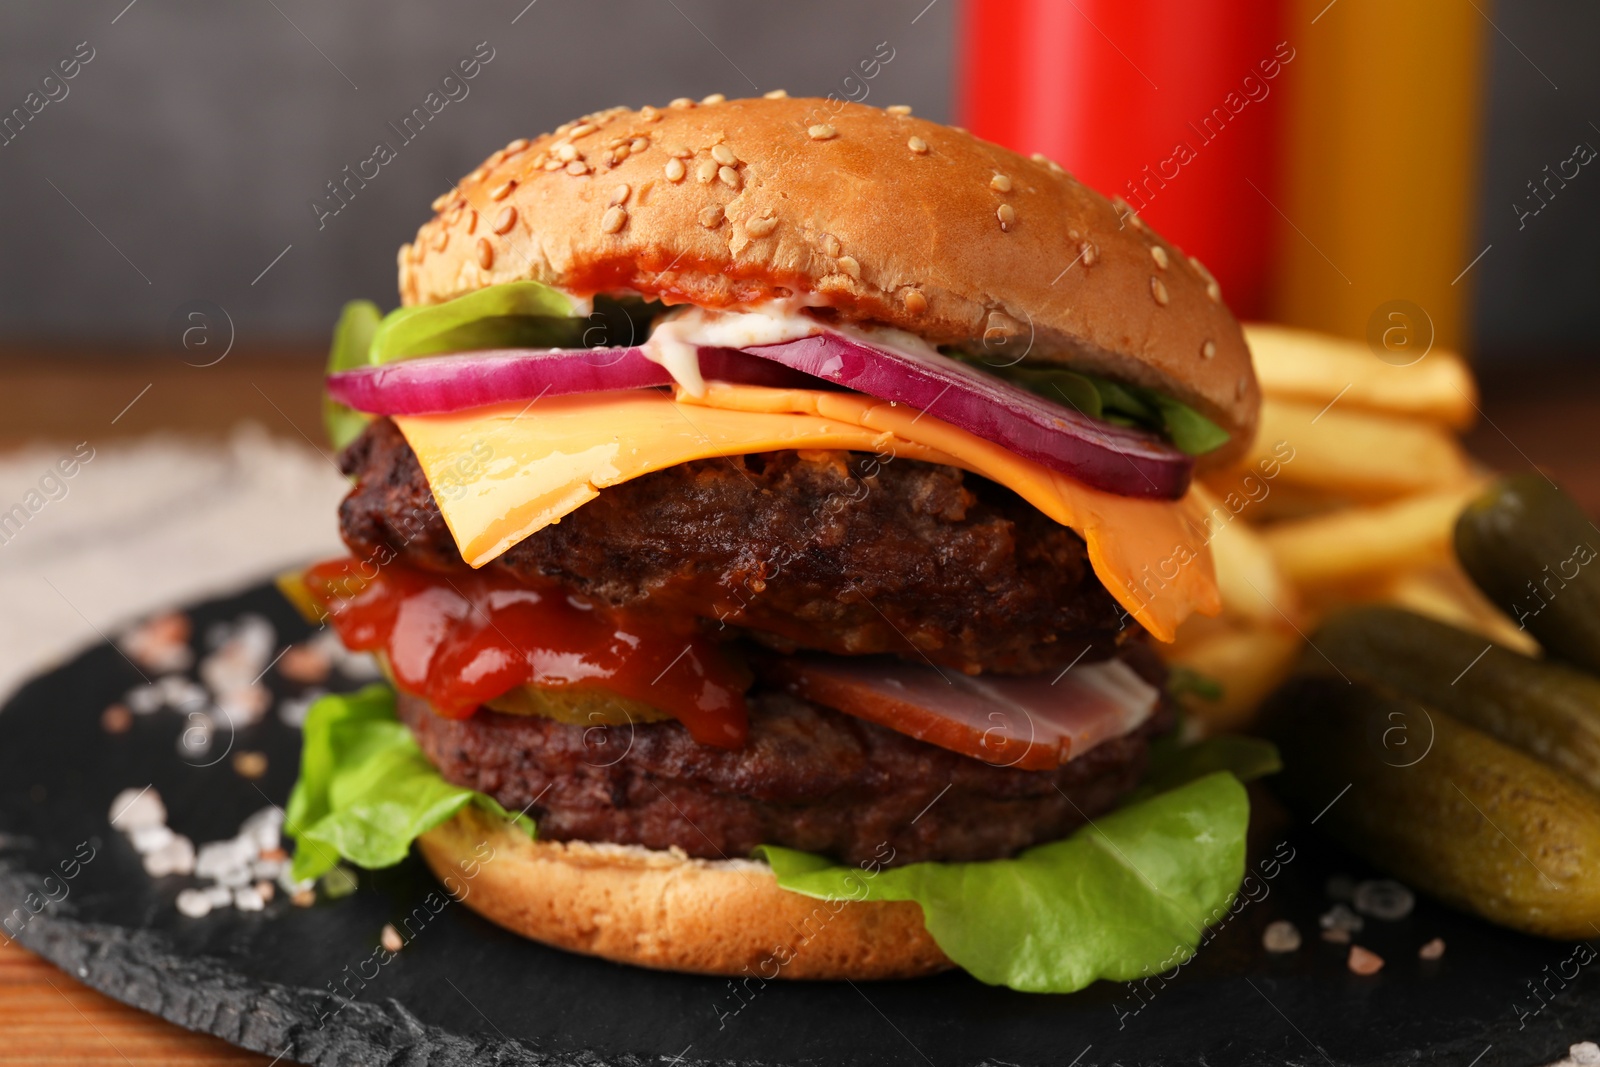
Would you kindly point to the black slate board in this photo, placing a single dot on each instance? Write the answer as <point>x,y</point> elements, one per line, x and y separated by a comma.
<point>464,992</point>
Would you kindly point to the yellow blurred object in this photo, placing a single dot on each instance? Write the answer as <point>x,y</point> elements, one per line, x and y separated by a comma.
<point>1359,544</point>
<point>1248,661</point>
<point>1383,123</point>
<point>1444,592</point>
<point>1349,495</point>
<point>1317,369</point>
<point>1251,582</point>
<point>1357,454</point>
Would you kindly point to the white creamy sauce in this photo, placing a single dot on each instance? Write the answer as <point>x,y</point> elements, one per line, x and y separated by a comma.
<point>675,340</point>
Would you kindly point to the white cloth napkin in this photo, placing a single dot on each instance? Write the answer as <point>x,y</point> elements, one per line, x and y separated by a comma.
<point>146,524</point>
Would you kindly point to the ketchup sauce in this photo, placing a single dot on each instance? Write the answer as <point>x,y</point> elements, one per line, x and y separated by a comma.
<point>458,640</point>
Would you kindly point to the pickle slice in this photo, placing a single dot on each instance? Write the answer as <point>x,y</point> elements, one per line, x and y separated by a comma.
<point>579,707</point>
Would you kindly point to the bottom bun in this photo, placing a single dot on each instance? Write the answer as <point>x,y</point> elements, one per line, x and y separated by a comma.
<point>669,911</point>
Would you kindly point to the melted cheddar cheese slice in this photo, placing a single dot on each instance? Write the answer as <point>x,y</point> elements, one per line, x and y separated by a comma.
<point>502,472</point>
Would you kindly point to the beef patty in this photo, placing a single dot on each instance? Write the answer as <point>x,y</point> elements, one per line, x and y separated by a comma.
<point>809,778</point>
<point>836,551</point>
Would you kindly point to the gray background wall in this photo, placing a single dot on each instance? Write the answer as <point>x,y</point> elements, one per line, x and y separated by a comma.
<point>182,158</point>
<point>196,136</point>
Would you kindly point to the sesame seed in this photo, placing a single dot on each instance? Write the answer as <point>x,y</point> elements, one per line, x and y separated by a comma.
<point>916,303</point>
<point>776,94</point>
<point>899,109</point>
<point>554,164</point>
<point>760,226</point>
<point>1074,234</point>
<point>822,132</point>
<point>681,102</point>
<point>714,98</point>
<point>391,938</point>
<point>581,129</point>
<point>1242,387</point>
<point>619,195</point>
<point>1208,350</point>
<point>1088,252</point>
<point>501,191</point>
<point>728,176</point>
<point>478,174</point>
<point>1000,183</point>
<point>1159,254</point>
<point>618,154</point>
<point>674,170</point>
<point>639,144</point>
<point>724,155</point>
<point>506,219</point>
<point>1214,291</point>
<point>711,216</point>
<point>566,151</point>
<point>472,222</point>
<point>850,265</point>
<point>1432,950</point>
<point>441,237</point>
<point>831,245</point>
<point>1158,290</point>
<point>440,201</point>
<point>515,146</point>
<point>959,129</point>
<point>680,153</point>
<point>453,216</point>
<point>485,253</point>
<point>918,145</point>
<point>577,168</point>
<point>613,220</point>
<point>1007,216</point>
<point>649,114</point>
<point>705,171</point>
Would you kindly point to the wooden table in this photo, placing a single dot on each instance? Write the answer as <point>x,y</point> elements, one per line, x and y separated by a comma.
<point>1540,416</point>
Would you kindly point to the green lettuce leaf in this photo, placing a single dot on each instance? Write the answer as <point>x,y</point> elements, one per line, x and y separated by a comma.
<point>1127,896</point>
<point>365,790</point>
<point>352,340</point>
<point>510,315</point>
<point>1173,763</point>
<point>1101,398</point>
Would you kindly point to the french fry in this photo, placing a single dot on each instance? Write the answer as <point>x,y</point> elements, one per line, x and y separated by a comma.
<point>1357,544</point>
<point>1252,584</point>
<point>1446,593</point>
<point>1248,662</point>
<point>1314,368</point>
<point>1356,454</point>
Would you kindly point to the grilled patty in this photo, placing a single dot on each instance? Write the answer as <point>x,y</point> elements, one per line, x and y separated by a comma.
<point>834,551</point>
<point>809,778</point>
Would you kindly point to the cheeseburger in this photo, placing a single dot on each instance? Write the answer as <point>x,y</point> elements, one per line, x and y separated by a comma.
<point>766,512</point>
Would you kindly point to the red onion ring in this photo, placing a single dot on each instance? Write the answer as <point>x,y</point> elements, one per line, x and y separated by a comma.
<point>1120,460</point>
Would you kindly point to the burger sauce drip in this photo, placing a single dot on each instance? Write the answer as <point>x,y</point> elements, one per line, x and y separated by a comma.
<point>459,640</point>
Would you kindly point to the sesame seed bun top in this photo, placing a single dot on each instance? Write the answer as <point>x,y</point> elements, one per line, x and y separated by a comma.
<point>879,215</point>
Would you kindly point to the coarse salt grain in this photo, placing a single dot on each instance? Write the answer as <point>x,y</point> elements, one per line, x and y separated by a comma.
<point>1384,899</point>
<point>247,899</point>
<point>195,903</point>
<point>390,938</point>
<point>1281,936</point>
<point>133,809</point>
<point>1432,950</point>
<point>1363,961</point>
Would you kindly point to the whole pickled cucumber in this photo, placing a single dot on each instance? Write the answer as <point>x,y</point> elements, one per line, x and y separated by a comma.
<point>1533,552</point>
<point>1548,710</point>
<point>1472,821</point>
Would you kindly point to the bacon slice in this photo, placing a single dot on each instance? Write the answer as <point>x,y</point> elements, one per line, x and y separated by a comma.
<point>1036,723</point>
